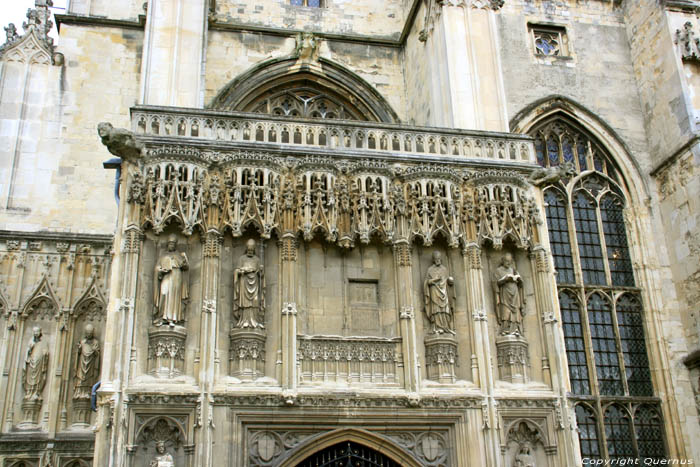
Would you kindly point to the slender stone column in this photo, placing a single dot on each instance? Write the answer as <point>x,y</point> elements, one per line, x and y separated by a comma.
<point>407,315</point>
<point>288,256</point>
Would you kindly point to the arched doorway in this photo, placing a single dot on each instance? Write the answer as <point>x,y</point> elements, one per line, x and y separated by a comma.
<point>347,453</point>
<point>349,447</point>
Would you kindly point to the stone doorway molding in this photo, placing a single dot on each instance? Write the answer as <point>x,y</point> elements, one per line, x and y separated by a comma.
<point>366,438</point>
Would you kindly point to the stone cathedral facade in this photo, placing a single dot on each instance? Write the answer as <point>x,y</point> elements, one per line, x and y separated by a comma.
<point>327,232</point>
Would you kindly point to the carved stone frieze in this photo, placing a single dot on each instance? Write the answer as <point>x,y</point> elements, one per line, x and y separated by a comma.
<point>347,360</point>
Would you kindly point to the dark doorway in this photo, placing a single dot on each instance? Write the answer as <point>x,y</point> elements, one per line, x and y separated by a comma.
<point>348,454</point>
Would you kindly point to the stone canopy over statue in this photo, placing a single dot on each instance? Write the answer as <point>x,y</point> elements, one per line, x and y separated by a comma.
<point>438,294</point>
<point>87,364</point>
<point>510,299</point>
<point>36,364</point>
<point>171,289</point>
<point>249,290</point>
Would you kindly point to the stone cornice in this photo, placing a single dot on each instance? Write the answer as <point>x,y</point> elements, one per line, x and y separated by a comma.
<point>689,6</point>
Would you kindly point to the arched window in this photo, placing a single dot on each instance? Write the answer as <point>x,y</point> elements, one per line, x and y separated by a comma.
<point>601,307</point>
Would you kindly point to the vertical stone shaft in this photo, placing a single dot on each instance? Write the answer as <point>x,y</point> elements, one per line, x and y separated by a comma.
<point>174,44</point>
<point>119,357</point>
<point>476,302</point>
<point>288,255</point>
<point>407,315</point>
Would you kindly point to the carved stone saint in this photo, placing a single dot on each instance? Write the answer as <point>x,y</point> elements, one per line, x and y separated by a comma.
<point>510,298</point>
<point>439,302</point>
<point>36,365</point>
<point>524,457</point>
<point>162,459</point>
<point>249,290</point>
<point>87,364</point>
<point>170,286</point>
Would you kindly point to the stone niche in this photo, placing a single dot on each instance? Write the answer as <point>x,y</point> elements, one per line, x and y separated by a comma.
<point>447,357</point>
<point>518,355</point>
<point>156,352</point>
<point>347,292</point>
<point>248,354</point>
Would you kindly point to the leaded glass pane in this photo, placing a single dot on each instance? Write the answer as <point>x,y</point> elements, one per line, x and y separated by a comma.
<point>587,432</point>
<point>315,3</point>
<point>553,150</point>
<point>573,338</point>
<point>559,240</point>
<point>604,345</point>
<point>629,320</point>
<point>616,241</point>
<point>618,433</point>
<point>649,433</point>
<point>582,150</point>
<point>539,150</point>
<point>297,2</point>
<point>589,247</point>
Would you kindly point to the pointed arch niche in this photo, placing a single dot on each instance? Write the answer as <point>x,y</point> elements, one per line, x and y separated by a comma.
<point>609,331</point>
<point>321,89</point>
<point>348,442</point>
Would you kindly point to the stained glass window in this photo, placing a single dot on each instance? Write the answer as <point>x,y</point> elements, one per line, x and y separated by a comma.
<point>601,306</point>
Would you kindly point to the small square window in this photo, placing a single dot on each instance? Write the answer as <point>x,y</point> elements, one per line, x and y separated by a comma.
<point>549,41</point>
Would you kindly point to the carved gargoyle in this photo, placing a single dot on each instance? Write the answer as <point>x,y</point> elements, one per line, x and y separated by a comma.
<point>119,141</point>
<point>550,175</point>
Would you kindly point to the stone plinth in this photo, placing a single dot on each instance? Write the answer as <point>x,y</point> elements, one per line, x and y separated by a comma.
<point>441,358</point>
<point>513,358</point>
<point>247,354</point>
<point>81,413</point>
<point>30,414</point>
<point>166,351</point>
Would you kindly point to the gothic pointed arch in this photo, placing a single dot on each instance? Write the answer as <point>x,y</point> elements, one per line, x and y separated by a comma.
<point>373,442</point>
<point>555,107</point>
<point>318,89</point>
<point>42,303</point>
<point>594,238</point>
<point>91,304</point>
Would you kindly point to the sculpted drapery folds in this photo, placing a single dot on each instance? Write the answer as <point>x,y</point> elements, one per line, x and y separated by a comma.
<point>510,299</point>
<point>36,364</point>
<point>171,288</point>
<point>438,297</point>
<point>87,364</point>
<point>249,287</point>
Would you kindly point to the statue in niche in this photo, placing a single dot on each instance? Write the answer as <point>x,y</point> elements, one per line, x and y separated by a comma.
<point>249,290</point>
<point>510,298</point>
<point>439,302</point>
<point>162,458</point>
<point>36,365</point>
<point>87,364</point>
<point>170,286</point>
<point>524,458</point>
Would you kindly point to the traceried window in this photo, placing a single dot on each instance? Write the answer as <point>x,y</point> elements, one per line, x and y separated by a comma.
<point>549,40</point>
<point>601,306</point>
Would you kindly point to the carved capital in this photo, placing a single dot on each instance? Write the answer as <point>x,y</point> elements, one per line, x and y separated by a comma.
<point>289,308</point>
<point>402,254</point>
<point>212,245</point>
<point>288,248</point>
<point>473,253</point>
<point>407,312</point>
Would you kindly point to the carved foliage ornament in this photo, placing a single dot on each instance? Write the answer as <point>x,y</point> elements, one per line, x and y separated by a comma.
<point>345,202</point>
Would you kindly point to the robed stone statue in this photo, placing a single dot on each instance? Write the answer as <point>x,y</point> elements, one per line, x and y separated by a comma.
<point>36,364</point>
<point>162,458</point>
<point>524,458</point>
<point>439,301</point>
<point>87,364</point>
<point>249,290</point>
<point>171,288</point>
<point>510,298</point>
